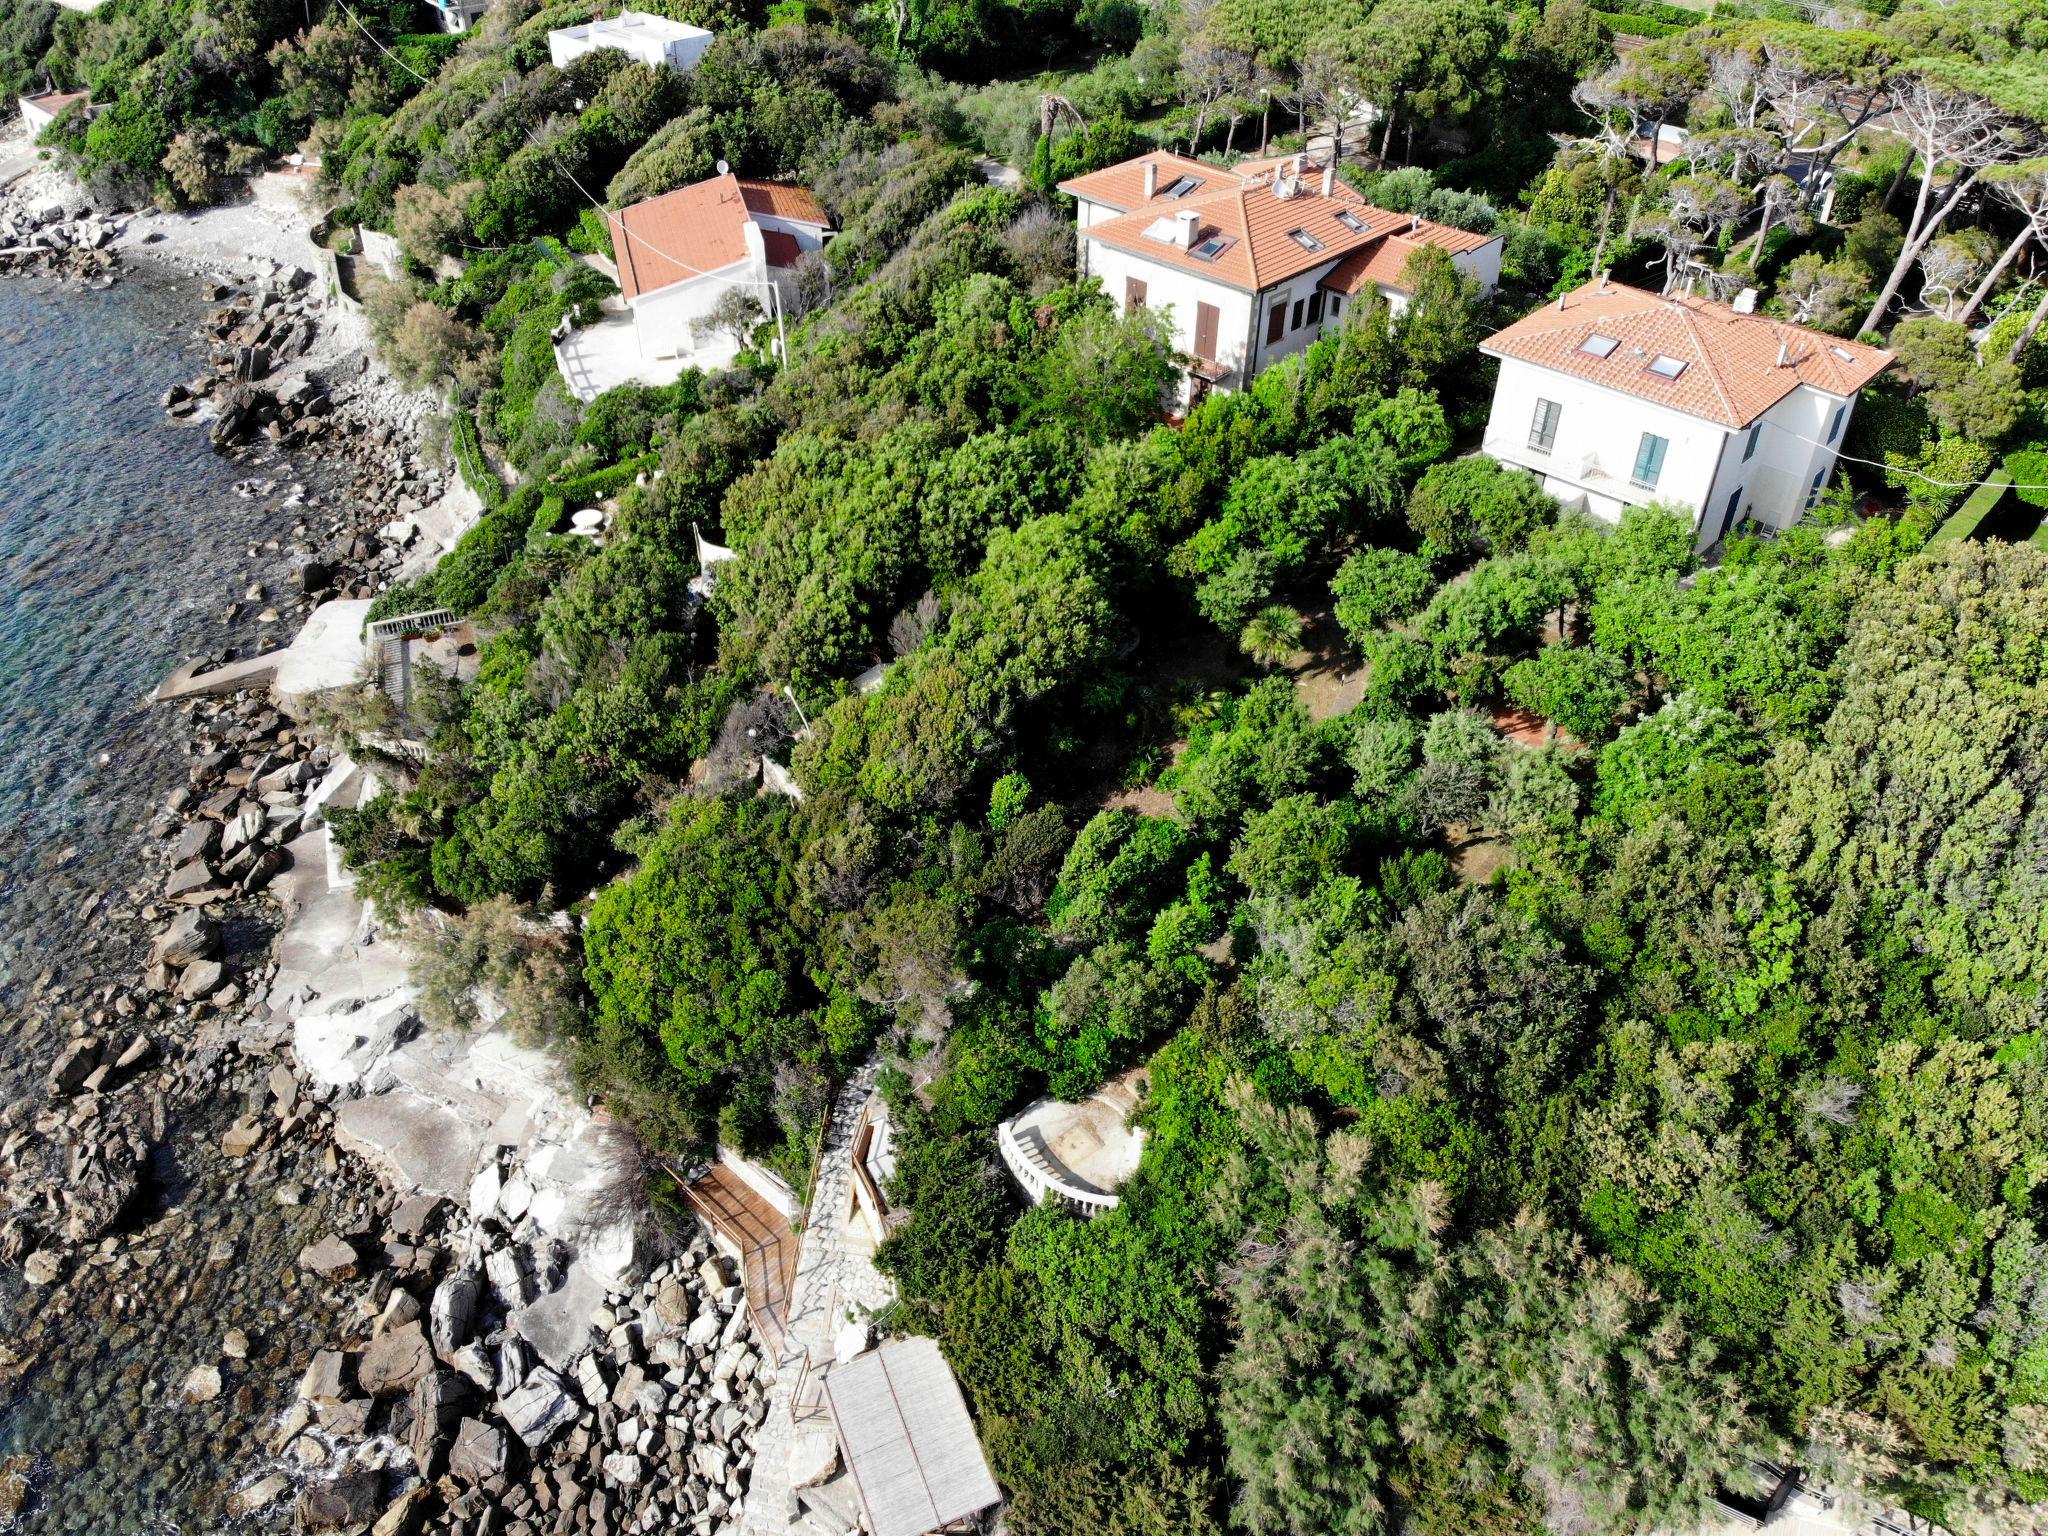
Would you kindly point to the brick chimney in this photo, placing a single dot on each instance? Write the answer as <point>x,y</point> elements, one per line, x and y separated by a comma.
<point>1330,179</point>
<point>1151,179</point>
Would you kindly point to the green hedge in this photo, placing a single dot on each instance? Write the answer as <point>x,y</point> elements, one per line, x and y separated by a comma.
<point>1643,26</point>
<point>468,446</point>
<point>467,572</point>
<point>1969,517</point>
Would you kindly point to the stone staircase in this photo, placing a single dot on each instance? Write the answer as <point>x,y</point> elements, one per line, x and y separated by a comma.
<point>836,1280</point>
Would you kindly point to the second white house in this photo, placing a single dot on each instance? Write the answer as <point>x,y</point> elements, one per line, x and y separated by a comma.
<point>1255,261</point>
<point>652,40</point>
<point>1620,397</point>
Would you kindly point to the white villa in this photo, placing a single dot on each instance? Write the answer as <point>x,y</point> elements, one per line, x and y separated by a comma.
<point>653,40</point>
<point>677,256</point>
<point>1616,397</point>
<point>1253,262</point>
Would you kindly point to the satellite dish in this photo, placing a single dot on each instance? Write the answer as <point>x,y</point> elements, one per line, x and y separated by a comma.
<point>724,169</point>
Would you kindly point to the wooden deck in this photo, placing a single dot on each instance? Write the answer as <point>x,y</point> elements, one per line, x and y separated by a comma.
<point>767,1248</point>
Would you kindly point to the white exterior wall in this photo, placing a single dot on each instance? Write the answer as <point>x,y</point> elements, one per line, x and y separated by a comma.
<point>1598,434</point>
<point>649,44</point>
<point>1483,263</point>
<point>459,15</point>
<point>662,319</point>
<point>37,118</point>
<point>1169,288</point>
<point>1599,431</point>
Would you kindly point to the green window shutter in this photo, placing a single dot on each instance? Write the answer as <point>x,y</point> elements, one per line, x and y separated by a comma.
<point>1649,460</point>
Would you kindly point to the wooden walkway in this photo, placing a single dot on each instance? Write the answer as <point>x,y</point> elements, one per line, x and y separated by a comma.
<point>768,1248</point>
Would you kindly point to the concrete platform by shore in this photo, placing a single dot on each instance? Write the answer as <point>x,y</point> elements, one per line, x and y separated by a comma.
<point>329,652</point>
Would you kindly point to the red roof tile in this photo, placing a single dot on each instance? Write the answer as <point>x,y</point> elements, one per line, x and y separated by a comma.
<point>702,228</point>
<point>780,200</point>
<point>1731,369</point>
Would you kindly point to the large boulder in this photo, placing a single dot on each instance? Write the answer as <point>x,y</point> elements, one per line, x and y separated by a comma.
<point>192,935</point>
<point>353,1499</point>
<point>479,1453</point>
<point>202,978</point>
<point>452,1314</point>
<point>101,1188</point>
<point>540,1407</point>
<point>395,1360</point>
<point>324,1378</point>
<point>438,1398</point>
<point>74,1064</point>
<point>332,1258</point>
<point>509,1278</point>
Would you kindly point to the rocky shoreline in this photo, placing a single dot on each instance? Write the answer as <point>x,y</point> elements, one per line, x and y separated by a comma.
<point>421,1404</point>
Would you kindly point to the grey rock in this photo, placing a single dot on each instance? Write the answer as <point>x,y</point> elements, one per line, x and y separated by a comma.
<point>324,1378</point>
<point>202,978</point>
<point>74,1064</point>
<point>438,1399</point>
<point>191,936</point>
<point>201,1384</point>
<point>509,1279</point>
<point>332,1258</point>
<point>415,1216</point>
<point>394,1361</point>
<point>452,1314</point>
<point>349,1500</point>
<point>479,1452</point>
<point>540,1407</point>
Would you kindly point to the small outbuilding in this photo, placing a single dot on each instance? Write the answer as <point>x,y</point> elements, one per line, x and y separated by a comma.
<point>43,109</point>
<point>650,39</point>
<point>908,1440</point>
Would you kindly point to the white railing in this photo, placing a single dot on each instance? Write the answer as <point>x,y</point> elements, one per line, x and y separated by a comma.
<point>1041,1180</point>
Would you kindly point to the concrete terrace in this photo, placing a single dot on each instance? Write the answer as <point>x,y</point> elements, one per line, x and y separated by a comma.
<point>1078,1153</point>
<point>595,358</point>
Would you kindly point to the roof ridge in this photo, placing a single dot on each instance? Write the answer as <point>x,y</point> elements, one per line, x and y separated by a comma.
<point>1690,321</point>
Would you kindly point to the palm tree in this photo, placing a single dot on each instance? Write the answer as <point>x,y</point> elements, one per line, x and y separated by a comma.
<point>1273,635</point>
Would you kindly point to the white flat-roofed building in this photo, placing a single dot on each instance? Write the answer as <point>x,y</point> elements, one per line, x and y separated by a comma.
<point>1618,397</point>
<point>652,40</point>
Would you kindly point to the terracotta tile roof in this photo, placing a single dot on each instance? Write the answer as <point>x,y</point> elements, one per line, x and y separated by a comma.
<point>1257,229</point>
<point>1384,261</point>
<point>780,200</point>
<point>698,229</point>
<point>1122,186</point>
<point>1728,367</point>
<point>54,102</point>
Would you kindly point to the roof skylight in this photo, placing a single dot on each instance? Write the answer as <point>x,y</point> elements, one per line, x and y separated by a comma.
<point>1182,186</point>
<point>1599,346</point>
<point>1304,239</point>
<point>1844,354</point>
<point>1666,367</point>
<point>1351,221</point>
<point>1212,247</point>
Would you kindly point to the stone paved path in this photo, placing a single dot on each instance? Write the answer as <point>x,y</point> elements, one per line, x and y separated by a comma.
<point>835,1280</point>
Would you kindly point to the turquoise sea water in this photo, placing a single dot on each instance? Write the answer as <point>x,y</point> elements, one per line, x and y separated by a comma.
<point>122,542</point>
